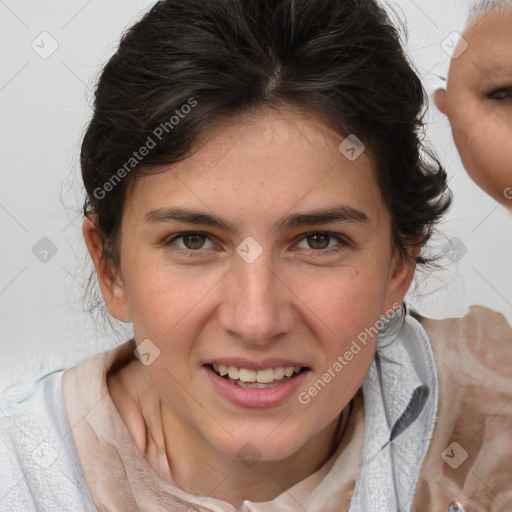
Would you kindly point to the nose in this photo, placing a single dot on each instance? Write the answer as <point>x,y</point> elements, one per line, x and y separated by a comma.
<point>257,306</point>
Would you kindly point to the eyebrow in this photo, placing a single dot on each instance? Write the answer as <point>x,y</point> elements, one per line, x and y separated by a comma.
<point>494,68</point>
<point>340,213</point>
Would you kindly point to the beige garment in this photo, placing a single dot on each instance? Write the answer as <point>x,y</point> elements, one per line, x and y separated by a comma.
<point>474,362</point>
<point>473,357</point>
<point>121,479</point>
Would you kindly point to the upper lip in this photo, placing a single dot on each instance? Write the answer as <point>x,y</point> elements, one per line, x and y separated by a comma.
<point>264,364</point>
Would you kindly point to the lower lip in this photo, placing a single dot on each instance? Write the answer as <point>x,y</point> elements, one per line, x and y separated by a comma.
<point>256,397</point>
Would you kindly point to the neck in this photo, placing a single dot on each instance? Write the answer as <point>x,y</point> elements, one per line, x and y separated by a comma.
<point>183,457</point>
<point>199,469</point>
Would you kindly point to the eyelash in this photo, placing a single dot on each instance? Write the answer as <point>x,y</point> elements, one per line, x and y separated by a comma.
<point>494,95</point>
<point>313,252</point>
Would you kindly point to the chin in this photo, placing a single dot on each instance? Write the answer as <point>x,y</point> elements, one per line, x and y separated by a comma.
<point>253,448</point>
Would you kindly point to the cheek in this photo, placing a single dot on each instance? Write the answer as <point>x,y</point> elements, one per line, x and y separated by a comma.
<point>160,300</point>
<point>347,335</point>
<point>175,307</point>
<point>351,301</point>
<point>341,304</point>
<point>486,151</point>
<point>164,300</point>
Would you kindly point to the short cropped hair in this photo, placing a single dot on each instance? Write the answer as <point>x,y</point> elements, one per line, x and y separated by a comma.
<point>485,6</point>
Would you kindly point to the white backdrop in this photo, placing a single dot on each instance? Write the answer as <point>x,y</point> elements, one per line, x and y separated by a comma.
<point>51,55</point>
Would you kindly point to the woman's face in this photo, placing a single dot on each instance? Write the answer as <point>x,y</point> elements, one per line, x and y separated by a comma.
<point>290,262</point>
<point>478,102</point>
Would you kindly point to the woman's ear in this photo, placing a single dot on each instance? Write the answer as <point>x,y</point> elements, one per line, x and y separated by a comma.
<point>400,278</point>
<point>440,100</point>
<point>112,287</point>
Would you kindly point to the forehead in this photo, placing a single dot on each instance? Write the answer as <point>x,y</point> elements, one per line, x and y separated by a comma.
<point>488,25</point>
<point>261,137</point>
<point>489,51</point>
<point>268,159</point>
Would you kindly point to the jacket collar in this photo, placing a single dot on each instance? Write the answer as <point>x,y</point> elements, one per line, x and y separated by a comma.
<point>400,404</point>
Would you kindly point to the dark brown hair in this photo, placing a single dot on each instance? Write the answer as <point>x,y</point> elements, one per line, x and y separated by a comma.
<point>188,63</point>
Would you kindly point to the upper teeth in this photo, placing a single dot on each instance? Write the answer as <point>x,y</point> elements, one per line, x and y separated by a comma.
<point>262,376</point>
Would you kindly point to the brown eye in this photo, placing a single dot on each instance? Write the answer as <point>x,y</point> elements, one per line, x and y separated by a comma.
<point>500,94</point>
<point>195,241</point>
<point>318,243</point>
<point>189,241</point>
<point>318,240</point>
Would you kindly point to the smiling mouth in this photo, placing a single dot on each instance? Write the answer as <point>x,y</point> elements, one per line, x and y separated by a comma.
<point>246,378</point>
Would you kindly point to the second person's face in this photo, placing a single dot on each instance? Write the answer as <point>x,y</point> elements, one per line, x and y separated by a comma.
<point>478,103</point>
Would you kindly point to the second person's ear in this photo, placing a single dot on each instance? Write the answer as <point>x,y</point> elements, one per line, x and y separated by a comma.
<point>440,100</point>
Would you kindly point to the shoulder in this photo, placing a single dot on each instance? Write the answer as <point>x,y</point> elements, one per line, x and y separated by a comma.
<point>28,404</point>
<point>482,338</point>
<point>478,319</point>
<point>466,458</point>
<point>40,468</point>
<point>473,357</point>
